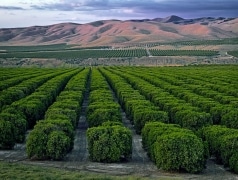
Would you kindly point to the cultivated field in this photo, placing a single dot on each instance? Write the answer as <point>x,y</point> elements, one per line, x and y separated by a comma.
<point>155,122</point>
<point>181,53</point>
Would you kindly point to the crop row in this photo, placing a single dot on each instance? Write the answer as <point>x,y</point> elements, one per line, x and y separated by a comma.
<point>53,137</point>
<point>4,84</point>
<point>21,90</point>
<point>108,140</point>
<point>8,73</point>
<point>138,109</point>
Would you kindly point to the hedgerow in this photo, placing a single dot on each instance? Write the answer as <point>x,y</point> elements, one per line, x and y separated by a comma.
<point>223,144</point>
<point>173,148</point>
<point>109,143</point>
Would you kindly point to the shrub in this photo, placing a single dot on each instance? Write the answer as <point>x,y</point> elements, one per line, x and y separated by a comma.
<point>152,130</point>
<point>109,143</point>
<point>61,113</point>
<point>192,120</point>
<point>233,162</point>
<point>230,119</point>
<point>65,126</point>
<point>213,135</point>
<point>173,148</point>
<point>141,117</point>
<point>216,113</point>
<point>57,145</point>
<point>18,120</point>
<point>33,110</point>
<point>98,105</point>
<point>7,137</point>
<point>36,144</point>
<point>102,115</point>
<point>223,143</point>
<point>179,151</point>
<point>229,146</point>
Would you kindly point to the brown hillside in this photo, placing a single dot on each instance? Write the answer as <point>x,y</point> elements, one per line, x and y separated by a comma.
<point>114,32</point>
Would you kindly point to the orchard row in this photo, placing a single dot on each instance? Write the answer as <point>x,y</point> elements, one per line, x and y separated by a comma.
<point>103,53</point>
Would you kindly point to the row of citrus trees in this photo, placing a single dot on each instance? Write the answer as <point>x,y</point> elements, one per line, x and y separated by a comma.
<point>105,53</point>
<point>166,96</point>
<point>158,52</point>
<point>53,137</point>
<point>108,139</point>
<point>172,90</point>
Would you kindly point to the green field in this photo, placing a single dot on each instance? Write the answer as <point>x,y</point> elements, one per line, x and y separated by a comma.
<point>85,54</point>
<point>233,53</point>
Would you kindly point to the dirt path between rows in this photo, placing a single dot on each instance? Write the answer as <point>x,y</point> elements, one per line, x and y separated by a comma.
<point>139,165</point>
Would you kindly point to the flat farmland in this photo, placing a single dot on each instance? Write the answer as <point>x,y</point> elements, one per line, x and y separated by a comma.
<point>151,54</point>
<point>46,114</point>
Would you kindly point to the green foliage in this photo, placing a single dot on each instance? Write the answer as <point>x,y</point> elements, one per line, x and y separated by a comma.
<point>173,148</point>
<point>101,115</point>
<point>233,53</point>
<point>19,124</point>
<point>36,144</point>
<point>230,119</point>
<point>179,151</point>
<point>63,125</point>
<point>223,144</point>
<point>62,113</point>
<point>229,146</point>
<point>98,105</point>
<point>32,109</point>
<point>53,137</point>
<point>156,52</point>
<point>109,143</point>
<point>192,120</point>
<point>57,145</point>
<point>141,117</point>
<point>83,54</point>
<point>7,136</point>
<point>233,162</point>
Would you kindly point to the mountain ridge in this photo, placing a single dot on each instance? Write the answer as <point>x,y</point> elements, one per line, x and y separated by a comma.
<point>117,32</point>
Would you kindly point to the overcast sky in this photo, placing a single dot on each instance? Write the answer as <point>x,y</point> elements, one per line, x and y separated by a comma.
<point>22,13</point>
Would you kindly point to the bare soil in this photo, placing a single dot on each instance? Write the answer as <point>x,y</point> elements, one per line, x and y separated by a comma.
<point>139,165</point>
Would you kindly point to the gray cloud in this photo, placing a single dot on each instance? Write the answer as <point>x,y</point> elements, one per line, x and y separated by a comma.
<point>147,8</point>
<point>11,8</point>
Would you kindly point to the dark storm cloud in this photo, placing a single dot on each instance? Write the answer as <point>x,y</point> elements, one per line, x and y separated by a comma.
<point>11,8</point>
<point>149,8</point>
